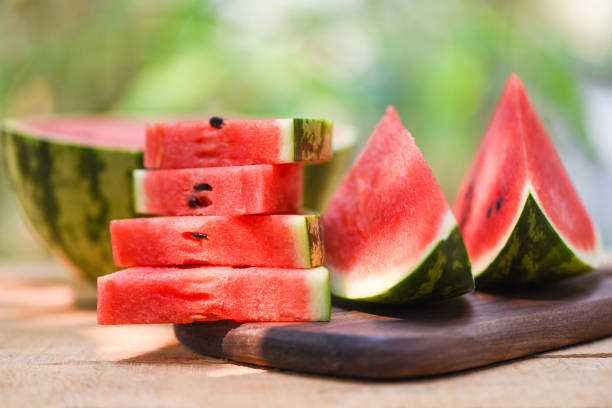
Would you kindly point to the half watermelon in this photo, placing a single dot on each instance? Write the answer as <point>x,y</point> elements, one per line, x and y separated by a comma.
<point>390,236</point>
<point>521,218</point>
<point>184,295</point>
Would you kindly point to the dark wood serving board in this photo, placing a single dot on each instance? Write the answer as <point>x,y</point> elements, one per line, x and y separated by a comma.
<point>406,341</point>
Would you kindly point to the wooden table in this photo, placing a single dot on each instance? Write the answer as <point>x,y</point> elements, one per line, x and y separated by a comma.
<point>53,354</point>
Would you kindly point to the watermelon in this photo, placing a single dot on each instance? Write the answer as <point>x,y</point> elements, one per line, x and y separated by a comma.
<point>219,142</point>
<point>521,218</point>
<point>322,179</point>
<point>72,175</point>
<point>236,190</point>
<point>184,295</point>
<point>390,236</point>
<point>283,241</point>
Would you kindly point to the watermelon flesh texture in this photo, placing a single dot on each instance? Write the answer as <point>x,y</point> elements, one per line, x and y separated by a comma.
<point>184,295</point>
<point>236,190</point>
<point>390,236</point>
<point>520,216</point>
<point>284,241</point>
<point>238,142</point>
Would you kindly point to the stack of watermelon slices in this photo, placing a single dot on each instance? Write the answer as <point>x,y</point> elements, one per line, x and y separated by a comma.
<point>230,242</point>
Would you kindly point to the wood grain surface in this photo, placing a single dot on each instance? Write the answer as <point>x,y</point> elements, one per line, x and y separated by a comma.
<point>392,342</point>
<point>53,354</point>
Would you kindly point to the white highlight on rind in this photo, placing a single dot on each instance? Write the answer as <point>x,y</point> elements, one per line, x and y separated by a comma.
<point>287,139</point>
<point>138,178</point>
<point>377,282</point>
<point>318,283</point>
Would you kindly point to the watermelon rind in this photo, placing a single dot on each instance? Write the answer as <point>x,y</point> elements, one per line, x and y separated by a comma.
<point>443,271</point>
<point>69,192</point>
<point>322,179</point>
<point>533,253</point>
<point>138,177</point>
<point>318,282</point>
<point>311,238</point>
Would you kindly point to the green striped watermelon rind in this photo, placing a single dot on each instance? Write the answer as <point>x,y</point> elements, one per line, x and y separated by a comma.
<point>534,254</point>
<point>69,192</point>
<point>443,273</point>
<point>311,139</point>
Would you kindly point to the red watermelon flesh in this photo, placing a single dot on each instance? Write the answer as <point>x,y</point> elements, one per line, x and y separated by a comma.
<point>195,144</point>
<point>516,159</point>
<point>386,218</point>
<point>236,190</point>
<point>284,241</point>
<point>184,295</point>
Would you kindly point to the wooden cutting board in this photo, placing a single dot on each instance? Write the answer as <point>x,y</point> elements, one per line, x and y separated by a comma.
<point>391,342</point>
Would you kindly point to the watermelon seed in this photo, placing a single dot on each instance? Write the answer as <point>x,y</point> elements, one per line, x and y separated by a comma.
<point>216,122</point>
<point>499,202</point>
<point>193,202</point>
<point>199,235</point>
<point>489,211</point>
<point>202,187</point>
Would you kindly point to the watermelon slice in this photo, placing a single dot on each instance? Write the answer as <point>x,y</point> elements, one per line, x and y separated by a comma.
<point>218,142</point>
<point>521,218</point>
<point>284,241</point>
<point>236,190</point>
<point>184,295</point>
<point>390,236</point>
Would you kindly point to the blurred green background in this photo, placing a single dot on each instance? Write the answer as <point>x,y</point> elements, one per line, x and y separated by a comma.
<point>442,64</point>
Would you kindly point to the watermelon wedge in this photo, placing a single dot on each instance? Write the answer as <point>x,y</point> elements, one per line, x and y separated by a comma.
<point>184,295</point>
<point>521,218</point>
<point>283,241</point>
<point>236,190</point>
<point>219,142</point>
<point>390,236</point>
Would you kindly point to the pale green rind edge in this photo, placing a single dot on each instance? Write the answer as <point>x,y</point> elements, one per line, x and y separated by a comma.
<point>533,254</point>
<point>318,282</point>
<point>138,197</point>
<point>444,273</point>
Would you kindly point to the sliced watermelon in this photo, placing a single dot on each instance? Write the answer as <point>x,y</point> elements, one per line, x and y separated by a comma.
<point>236,142</point>
<point>284,241</point>
<point>184,295</point>
<point>521,218</point>
<point>390,236</point>
<point>236,190</point>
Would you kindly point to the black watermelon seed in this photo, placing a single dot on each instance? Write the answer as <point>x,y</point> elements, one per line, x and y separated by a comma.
<point>489,211</point>
<point>202,187</point>
<point>193,202</point>
<point>499,202</point>
<point>199,235</point>
<point>216,122</point>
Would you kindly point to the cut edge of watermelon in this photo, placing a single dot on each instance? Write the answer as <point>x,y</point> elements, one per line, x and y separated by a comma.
<point>287,146</point>
<point>374,285</point>
<point>21,128</point>
<point>318,283</point>
<point>590,258</point>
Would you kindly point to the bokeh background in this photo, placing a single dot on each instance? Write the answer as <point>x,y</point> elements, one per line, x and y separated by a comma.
<point>442,64</point>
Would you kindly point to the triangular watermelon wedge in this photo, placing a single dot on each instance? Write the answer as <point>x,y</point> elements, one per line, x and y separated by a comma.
<point>390,235</point>
<point>521,218</point>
